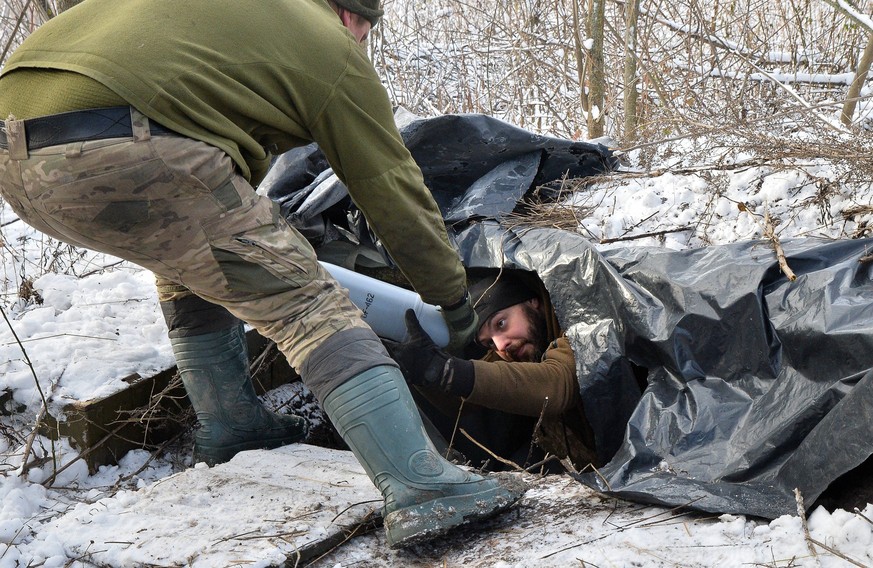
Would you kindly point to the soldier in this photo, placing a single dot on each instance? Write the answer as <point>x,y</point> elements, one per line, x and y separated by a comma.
<point>139,129</point>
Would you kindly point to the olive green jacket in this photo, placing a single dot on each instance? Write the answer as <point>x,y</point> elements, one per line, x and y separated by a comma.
<point>255,79</point>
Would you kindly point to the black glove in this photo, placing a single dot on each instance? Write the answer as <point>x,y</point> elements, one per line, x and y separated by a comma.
<point>423,363</point>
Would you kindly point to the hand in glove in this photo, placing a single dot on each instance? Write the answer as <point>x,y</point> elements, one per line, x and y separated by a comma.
<point>423,363</point>
<point>463,323</point>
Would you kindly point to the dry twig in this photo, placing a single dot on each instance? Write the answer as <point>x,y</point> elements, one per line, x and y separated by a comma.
<point>504,461</point>
<point>646,235</point>
<point>770,234</point>
<point>801,512</point>
<point>836,552</point>
<point>43,410</point>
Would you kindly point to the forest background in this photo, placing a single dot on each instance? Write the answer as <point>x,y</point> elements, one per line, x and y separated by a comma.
<point>689,87</point>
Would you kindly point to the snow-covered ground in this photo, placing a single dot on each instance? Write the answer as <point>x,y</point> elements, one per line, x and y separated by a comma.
<point>92,327</point>
<point>262,508</point>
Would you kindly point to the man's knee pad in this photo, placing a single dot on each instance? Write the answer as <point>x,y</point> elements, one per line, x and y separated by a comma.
<point>192,315</point>
<point>344,355</point>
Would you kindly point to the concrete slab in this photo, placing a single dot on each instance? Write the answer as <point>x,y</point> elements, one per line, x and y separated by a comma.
<point>263,508</point>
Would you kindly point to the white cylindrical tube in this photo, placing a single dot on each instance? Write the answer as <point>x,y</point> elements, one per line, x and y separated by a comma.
<point>384,306</point>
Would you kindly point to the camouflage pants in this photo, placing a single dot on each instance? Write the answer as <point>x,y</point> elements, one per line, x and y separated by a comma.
<point>177,207</point>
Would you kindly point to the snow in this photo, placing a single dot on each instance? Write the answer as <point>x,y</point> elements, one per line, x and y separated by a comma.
<point>261,507</point>
<point>98,329</point>
<point>212,506</point>
<point>859,17</point>
<point>561,523</point>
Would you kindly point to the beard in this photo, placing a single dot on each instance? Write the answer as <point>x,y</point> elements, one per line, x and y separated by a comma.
<point>537,336</point>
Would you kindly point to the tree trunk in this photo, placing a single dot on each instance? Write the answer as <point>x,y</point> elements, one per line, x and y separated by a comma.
<point>597,80</point>
<point>581,58</point>
<point>858,82</point>
<point>631,120</point>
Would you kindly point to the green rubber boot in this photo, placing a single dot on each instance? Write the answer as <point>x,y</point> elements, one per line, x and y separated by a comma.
<point>425,495</point>
<point>215,371</point>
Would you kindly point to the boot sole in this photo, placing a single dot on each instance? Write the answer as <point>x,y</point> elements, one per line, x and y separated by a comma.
<point>431,519</point>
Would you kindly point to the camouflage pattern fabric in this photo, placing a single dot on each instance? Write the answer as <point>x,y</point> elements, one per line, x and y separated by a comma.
<point>177,207</point>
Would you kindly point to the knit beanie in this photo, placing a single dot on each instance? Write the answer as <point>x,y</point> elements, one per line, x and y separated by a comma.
<point>369,9</point>
<point>489,297</point>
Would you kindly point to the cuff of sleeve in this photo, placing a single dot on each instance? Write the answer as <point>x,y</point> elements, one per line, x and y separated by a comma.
<point>459,303</point>
<point>463,377</point>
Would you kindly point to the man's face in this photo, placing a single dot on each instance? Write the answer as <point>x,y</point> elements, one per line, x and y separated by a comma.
<point>516,333</point>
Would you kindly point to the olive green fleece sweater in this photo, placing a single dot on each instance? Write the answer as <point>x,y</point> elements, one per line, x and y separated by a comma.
<point>255,78</point>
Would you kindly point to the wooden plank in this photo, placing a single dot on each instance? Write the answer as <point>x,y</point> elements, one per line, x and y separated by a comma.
<point>109,427</point>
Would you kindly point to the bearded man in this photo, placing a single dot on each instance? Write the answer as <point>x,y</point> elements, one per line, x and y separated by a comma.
<point>528,371</point>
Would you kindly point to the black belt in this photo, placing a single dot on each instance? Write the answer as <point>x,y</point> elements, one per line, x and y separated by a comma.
<point>79,126</point>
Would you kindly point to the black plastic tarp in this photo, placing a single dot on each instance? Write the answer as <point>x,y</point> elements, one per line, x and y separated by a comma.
<point>757,385</point>
<point>476,167</point>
